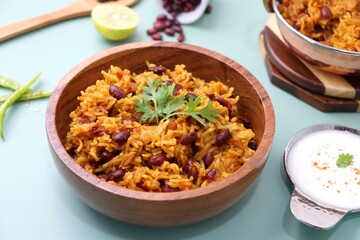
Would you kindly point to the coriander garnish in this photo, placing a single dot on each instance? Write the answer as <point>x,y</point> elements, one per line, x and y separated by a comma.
<point>157,102</point>
<point>344,160</point>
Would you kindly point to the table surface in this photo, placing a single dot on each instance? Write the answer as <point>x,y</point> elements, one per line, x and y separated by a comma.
<point>35,201</point>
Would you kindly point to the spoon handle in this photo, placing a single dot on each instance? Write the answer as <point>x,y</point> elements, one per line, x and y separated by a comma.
<point>78,8</point>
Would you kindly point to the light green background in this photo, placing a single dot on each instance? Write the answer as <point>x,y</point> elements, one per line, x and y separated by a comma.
<point>36,203</point>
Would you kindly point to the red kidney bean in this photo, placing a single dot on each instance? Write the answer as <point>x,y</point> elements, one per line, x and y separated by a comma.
<point>158,159</point>
<point>177,86</point>
<point>116,175</point>
<point>159,70</point>
<point>326,12</point>
<point>107,156</point>
<point>188,138</point>
<point>159,25</point>
<point>157,37</point>
<point>223,102</point>
<point>131,119</point>
<point>252,145</point>
<point>223,137</point>
<point>151,31</point>
<point>169,31</point>
<point>161,17</point>
<point>211,175</point>
<point>84,120</point>
<point>103,177</point>
<point>117,92</point>
<point>178,29</point>
<point>192,121</point>
<point>208,9</point>
<point>181,37</point>
<point>190,95</point>
<point>166,188</point>
<point>192,170</point>
<point>208,159</point>
<point>121,137</point>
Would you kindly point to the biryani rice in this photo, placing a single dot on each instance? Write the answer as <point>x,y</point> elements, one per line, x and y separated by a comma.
<point>334,23</point>
<point>99,115</point>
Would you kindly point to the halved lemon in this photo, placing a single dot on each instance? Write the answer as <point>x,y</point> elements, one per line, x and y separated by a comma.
<point>114,22</point>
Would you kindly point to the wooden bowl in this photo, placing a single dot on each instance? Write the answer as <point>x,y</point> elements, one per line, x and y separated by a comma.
<point>149,208</point>
<point>324,57</point>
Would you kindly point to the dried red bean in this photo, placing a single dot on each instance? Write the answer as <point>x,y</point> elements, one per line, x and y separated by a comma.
<point>107,156</point>
<point>208,9</point>
<point>326,12</point>
<point>116,175</point>
<point>158,159</point>
<point>157,37</point>
<point>169,31</point>
<point>161,17</point>
<point>181,37</point>
<point>211,175</point>
<point>166,188</point>
<point>223,137</point>
<point>188,138</point>
<point>159,25</point>
<point>192,170</point>
<point>121,137</point>
<point>178,29</point>
<point>151,31</point>
<point>117,92</point>
<point>159,70</point>
<point>208,159</point>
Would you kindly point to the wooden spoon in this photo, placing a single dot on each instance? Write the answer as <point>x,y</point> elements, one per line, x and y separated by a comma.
<point>78,8</point>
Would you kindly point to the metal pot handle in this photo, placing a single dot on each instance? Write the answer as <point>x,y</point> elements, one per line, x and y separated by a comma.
<point>311,213</point>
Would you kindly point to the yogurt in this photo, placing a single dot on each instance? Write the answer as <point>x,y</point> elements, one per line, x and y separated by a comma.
<point>311,165</point>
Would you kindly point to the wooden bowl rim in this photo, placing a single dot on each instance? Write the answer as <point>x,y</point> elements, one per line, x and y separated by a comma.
<point>258,159</point>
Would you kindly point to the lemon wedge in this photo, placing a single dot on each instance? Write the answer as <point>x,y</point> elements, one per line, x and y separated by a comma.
<point>114,22</point>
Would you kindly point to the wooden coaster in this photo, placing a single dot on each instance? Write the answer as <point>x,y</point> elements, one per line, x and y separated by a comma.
<point>320,102</point>
<point>302,73</point>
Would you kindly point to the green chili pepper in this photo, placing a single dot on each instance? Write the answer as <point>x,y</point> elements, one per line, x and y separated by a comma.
<point>28,96</point>
<point>9,83</point>
<point>17,94</point>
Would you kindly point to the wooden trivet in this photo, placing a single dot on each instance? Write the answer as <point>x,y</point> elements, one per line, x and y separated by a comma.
<point>320,102</point>
<point>302,73</point>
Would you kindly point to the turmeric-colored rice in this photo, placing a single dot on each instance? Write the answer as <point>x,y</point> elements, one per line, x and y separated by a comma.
<point>335,23</point>
<point>99,116</point>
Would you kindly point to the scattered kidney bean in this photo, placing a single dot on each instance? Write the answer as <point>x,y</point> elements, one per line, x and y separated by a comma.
<point>117,92</point>
<point>177,86</point>
<point>166,188</point>
<point>326,12</point>
<point>116,175</point>
<point>208,159</point>
<point>223,137</point>
<point>181,37</point>
<point>188,138</point>
<point>222,101</point>
<point>103,177</point>
<point>192,170</point>
<point>157,37</point>
<point>121,137</point>
<point>170,25</point>
<point>172,125</point>
<point>158,159</point>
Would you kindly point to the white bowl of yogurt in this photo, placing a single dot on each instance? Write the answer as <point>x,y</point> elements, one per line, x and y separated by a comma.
<point>323,163</point>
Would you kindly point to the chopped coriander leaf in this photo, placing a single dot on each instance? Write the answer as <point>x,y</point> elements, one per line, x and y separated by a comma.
<point>344,160</point>
<point>157,102</point>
